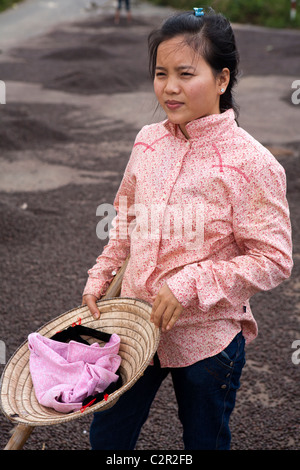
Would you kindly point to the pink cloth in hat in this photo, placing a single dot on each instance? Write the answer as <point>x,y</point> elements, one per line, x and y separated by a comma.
<point>64,374</point>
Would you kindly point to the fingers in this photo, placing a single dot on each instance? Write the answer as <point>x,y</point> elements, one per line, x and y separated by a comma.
<point>165,316</point>
<point>90,301</point>
<point>166,309</point>
<point>169,320</point>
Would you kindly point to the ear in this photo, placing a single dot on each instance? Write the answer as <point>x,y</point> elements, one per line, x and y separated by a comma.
<point>223,80</point>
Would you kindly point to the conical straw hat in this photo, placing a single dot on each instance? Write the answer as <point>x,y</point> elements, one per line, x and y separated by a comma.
<point>127,317</point>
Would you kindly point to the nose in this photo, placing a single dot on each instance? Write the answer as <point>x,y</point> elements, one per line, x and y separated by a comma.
<point>172,86</point>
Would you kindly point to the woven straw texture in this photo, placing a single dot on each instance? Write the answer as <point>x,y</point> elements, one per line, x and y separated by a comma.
<point>129,318</point>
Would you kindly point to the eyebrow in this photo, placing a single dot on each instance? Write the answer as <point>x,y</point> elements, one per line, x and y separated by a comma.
<point>181,67</point>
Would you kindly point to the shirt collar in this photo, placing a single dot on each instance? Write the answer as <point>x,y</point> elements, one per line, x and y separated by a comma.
<point>209,127</point>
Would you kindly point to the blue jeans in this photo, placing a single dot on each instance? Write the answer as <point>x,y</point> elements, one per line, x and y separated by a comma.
<point>205,393</point>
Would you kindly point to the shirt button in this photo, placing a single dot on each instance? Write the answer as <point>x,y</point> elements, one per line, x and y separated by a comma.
<point>113,273</point>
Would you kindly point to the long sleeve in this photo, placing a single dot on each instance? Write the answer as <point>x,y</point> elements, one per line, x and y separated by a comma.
<point>261,227</point>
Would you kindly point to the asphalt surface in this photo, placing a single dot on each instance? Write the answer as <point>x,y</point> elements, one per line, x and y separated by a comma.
<point>77,92</point>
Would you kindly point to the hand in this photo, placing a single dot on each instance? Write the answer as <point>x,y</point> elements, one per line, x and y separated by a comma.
<point>90,300</point>
<point>166,309</point>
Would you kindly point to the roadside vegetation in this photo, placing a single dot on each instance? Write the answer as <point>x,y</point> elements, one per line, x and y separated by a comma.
<point>270,13</point>
<point>5,4</point>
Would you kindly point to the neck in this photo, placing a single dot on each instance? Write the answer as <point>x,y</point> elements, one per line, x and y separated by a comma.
<point>184,131</point>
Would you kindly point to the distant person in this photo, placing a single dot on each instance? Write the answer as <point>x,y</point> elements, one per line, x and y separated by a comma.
<point>198,159</point>
<point>118,11</point>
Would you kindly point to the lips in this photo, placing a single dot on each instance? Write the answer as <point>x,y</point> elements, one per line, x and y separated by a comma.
<point>172,104</point>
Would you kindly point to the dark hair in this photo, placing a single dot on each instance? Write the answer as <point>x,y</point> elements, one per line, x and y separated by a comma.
<point>212,36</point>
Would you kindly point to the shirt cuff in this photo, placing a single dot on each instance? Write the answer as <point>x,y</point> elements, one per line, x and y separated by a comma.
<point>93,287</point>
<point>183,287</point>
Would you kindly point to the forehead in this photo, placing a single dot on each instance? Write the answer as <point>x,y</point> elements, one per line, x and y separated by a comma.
<point>176,50</point>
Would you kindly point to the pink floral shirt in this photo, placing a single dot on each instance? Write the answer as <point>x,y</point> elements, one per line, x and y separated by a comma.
<point>209,216</point>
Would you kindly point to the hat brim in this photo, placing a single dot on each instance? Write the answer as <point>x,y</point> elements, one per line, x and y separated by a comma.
<point>127,317</point>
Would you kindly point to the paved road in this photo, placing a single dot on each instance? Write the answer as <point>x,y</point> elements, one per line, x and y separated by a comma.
<point>33,17</point>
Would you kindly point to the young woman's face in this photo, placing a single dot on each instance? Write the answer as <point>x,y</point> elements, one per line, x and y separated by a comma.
<point>184,83</point>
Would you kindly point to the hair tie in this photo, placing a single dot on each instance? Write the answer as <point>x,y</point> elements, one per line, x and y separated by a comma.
<point>198,11</point>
